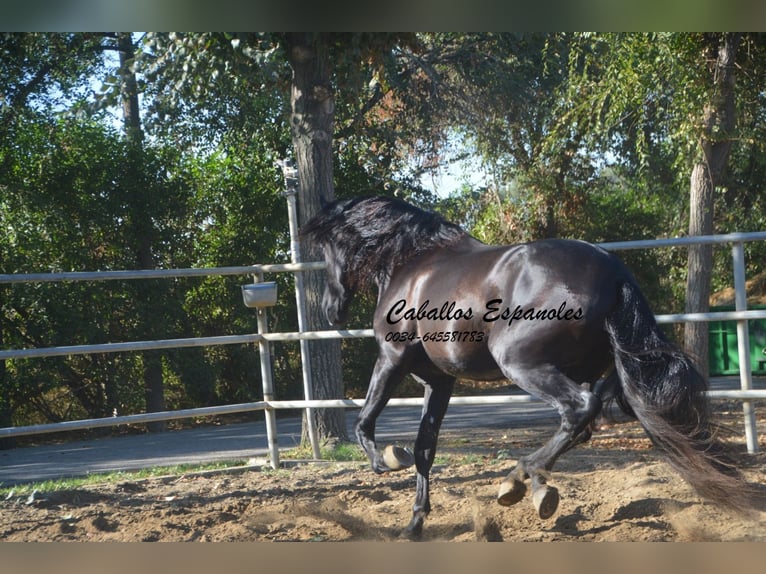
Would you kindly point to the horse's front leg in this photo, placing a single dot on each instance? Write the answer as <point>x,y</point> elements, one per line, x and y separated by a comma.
<point>388,372</point>
<point>435,404</point>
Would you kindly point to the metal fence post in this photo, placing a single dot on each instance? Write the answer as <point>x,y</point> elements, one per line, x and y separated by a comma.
<point>264,349</point>
<point>291,191</point>
<point>743,344</point>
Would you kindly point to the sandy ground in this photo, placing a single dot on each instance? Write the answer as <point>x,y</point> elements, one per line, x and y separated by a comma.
<point>615,488</point>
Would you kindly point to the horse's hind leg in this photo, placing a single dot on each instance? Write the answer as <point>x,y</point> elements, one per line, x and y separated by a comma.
<point>578,407</point>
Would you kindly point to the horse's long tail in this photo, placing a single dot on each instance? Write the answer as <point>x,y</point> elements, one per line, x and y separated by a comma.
<point>662,389</point>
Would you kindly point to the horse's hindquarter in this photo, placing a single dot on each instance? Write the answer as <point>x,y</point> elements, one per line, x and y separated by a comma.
<point>561,295</point>
<point>470,308</point>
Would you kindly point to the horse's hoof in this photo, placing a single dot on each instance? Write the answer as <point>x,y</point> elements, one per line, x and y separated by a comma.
<point>411,534</point>
<point>397,458</point>
<point>546,501</point>
<point>511,491</point>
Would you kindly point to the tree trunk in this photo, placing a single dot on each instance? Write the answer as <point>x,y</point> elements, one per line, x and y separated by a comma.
<point>717,132</point>
<point>312,107</point>
<point>147,292</point>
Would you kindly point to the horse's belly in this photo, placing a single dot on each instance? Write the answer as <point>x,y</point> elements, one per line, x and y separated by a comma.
<point>464,360</point>
<point>476,374</point>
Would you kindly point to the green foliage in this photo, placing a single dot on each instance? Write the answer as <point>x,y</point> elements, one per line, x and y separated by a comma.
<point>587,136</point>
<point>592,136</point>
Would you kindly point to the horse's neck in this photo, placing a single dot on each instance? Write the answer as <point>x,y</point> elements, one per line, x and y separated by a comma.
<point>465,244</point>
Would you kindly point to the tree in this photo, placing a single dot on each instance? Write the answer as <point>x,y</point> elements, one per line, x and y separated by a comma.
<point>236,81</point>
<point>597,136</point>
<point>717,132</point>
<point>670,95</point>
<point>78,195</point>
<point>662,103</point>
<point>312,113</point>
<point>222,75</point>
<point>35,68</point>
<point>502,92</point>
<point>148,293</point>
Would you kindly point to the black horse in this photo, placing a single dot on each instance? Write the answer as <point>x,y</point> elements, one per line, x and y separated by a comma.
<point>564,320</point>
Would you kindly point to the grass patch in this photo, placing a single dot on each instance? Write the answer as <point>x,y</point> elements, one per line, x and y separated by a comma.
<point>112,477</point>
<point>329,450</point>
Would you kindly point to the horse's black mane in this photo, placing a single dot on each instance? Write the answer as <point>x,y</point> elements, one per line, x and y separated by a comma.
<point>372,236</point>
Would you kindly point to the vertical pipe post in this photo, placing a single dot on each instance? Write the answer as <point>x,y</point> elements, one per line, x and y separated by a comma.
<point>743,345</point>
<point>264,349</point>
<point>291,191</point>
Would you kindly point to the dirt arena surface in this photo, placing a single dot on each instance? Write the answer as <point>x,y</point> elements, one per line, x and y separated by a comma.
<point>615,488</point>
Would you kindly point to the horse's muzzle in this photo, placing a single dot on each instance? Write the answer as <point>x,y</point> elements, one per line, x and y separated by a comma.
<point>335,309</point>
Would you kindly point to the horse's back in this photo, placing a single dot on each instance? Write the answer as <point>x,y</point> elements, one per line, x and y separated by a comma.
<point>531,274</point>
<point>578,264</point>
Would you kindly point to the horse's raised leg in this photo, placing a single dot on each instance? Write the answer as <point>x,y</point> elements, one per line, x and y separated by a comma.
<point>386,375</point>
<point>578,407</point>
<point>436,400</point>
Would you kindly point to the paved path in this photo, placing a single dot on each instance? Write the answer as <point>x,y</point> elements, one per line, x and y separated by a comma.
<point>233,442</point>
<point>247,440</point>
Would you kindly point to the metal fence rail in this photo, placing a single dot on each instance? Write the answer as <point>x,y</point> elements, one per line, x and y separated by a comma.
<point>181,343</point>
<point>64,276</point>
<point>746,394</point>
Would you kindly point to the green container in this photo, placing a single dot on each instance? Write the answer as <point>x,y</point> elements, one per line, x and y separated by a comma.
<point>723,354</point>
